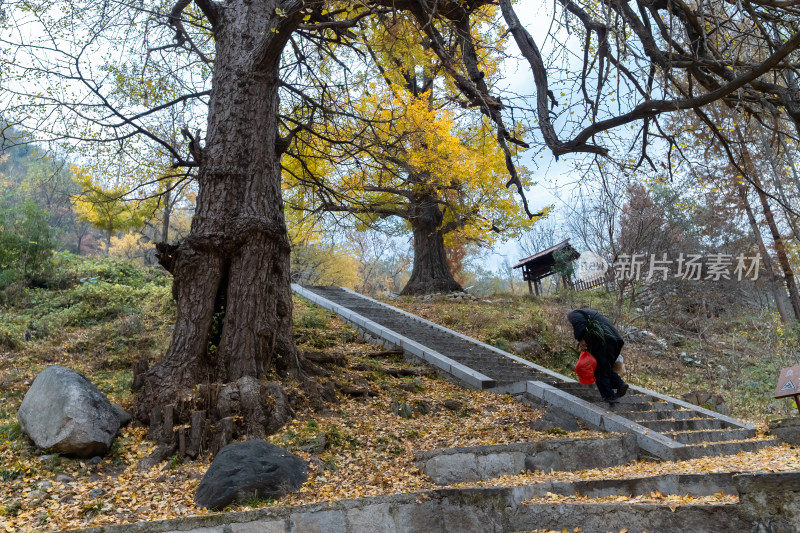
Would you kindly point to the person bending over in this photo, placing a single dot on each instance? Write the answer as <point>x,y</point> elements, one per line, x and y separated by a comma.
<point>597,336</point>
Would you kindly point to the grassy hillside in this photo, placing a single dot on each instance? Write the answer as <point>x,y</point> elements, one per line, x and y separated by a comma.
<point>97,316</point>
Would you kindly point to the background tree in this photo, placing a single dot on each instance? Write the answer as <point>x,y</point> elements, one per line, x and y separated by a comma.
<point>26,243</point>
<point>32,175</point>
<point>424,159</point>
<point>106,208</point>
<point>439,178</point>
<point>724,161</point>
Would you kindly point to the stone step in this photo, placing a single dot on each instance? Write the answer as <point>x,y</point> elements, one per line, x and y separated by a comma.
<point>694,451</point>
<point>645,416</point>
<point>691,424</point>
<point>634,405</point>
<point>711,435</point>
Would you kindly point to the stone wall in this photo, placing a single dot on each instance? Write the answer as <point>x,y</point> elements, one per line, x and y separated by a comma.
<point>770,503</point>
<point>454,465</point>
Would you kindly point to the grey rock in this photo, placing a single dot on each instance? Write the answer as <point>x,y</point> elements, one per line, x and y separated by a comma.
<point>243,469</point>
<point>124,416</point>
<point>409,386</point>
<point>37,495</point>
<point>316,463</point>
<point>63,412</point>
<point>96,460</point>
<point>787,429</point>
<point>317,444</point>
<point>96,493</point>
<point>44,485</point>
<point>527,347</point>
<point>63,478</point>
<point>453,405</point>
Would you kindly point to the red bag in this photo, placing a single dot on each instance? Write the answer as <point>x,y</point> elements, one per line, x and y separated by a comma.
<point>585,368</point>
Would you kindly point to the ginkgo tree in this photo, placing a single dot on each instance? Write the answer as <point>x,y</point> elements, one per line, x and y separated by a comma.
<point>106,207</point>
<point>424,159</point>
<point>440,178</point>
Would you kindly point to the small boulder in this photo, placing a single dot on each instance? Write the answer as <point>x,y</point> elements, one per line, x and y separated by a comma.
<point>124,416</point>
<point>527,347</point>
<point>254,467</point>
<point>64,413</point>
<point>707,400</point>
<point>453,405</point>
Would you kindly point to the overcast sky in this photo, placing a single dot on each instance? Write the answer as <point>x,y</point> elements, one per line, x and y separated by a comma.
<point>550,175</point>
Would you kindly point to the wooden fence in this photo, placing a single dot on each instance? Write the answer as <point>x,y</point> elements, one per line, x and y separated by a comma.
<point>586,285</point>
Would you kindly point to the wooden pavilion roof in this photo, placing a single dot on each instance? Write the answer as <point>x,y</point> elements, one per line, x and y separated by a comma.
<point>541,263</point>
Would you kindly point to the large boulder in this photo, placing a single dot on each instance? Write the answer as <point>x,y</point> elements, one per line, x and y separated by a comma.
<point>63,412</point>
<point>242,470</point>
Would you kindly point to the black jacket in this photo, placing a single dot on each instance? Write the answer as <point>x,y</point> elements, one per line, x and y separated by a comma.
<point>603,340</point>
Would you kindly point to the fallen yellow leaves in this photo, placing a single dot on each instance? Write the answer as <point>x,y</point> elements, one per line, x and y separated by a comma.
<point>772,459</point>
<point>672,500</point>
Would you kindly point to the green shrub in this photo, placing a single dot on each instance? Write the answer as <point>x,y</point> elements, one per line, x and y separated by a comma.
<point>10,430</point>
<point>11,332</point>
<point>25,243</point>
<point>314,318</point>
<point>89,304</point>
<point>402,409</point>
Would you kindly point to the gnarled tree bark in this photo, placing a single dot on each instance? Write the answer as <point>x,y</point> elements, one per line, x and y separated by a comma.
<point>430,272</point>
<point>231,275</point>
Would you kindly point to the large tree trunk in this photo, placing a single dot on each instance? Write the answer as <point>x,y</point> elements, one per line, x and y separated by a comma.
<point>231,274</point>
<point>430,272</point>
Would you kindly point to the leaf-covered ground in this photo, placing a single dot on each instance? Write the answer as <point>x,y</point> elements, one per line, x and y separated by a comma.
<point>357,447</point>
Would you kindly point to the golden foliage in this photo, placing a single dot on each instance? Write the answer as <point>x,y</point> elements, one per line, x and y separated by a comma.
<point>105,206</point>
<point>131,246</point>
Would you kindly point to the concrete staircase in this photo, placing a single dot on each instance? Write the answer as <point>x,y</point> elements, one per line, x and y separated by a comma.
<point>665,427</point>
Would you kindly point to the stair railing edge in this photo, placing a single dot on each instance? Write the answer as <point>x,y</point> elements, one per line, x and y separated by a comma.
<point>647,439</point>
